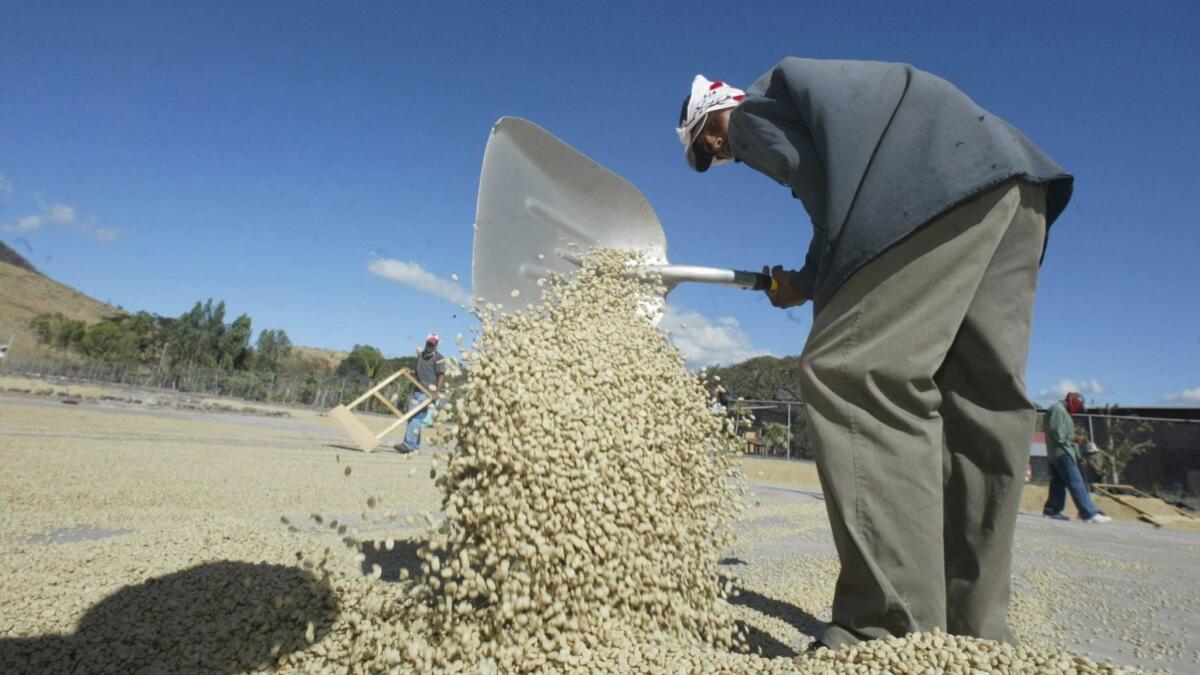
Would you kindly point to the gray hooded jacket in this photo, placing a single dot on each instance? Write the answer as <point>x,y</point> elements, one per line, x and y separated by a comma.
<point>874,151</point>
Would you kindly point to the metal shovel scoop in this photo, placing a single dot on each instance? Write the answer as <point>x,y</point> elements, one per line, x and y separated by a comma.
<point>538,195</point>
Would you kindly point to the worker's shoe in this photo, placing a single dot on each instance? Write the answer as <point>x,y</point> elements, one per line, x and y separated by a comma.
<point>815,646</point>
<point>1055,516</point>
<point>1098,519</point>
<point>404,448</point>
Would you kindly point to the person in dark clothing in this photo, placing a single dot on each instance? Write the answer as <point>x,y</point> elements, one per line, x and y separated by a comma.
<point>431,373</point>
<point>929,216</point>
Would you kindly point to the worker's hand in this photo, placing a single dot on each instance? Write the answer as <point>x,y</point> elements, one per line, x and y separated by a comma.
<point>781,293</point>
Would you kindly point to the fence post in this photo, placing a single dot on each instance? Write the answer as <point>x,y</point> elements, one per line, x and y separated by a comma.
<point>789,435</point>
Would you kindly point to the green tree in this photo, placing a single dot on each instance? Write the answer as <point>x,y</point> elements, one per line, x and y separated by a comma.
<point>58,331</point>
<point>109,341</point>
<point>396,363</point>
<point>70,334</point>
<point>197,337</point>
<point>1127,438</point>
<point>44,327</point>
<point>149,334</point>
<point>272,347</point>
<point>363,360</point>
<point>741,414</point>
<point>763,378</point>
<point>233,343</point>
<point>213,332</point>
<point>775,436</point>
<point>186,336</point>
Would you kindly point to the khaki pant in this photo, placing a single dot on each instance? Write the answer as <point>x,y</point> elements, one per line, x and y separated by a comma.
<point>914,377</point>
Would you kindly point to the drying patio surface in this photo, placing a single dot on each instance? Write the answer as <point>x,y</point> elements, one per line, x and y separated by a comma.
<point>104,499</point>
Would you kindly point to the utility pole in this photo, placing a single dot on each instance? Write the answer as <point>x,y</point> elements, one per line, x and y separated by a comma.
<point>789,436</point>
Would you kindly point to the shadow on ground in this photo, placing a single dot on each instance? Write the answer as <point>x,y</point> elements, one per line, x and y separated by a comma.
<point>402,556</point>
<point>215,617</point>
<point>761,642</point>
<point>347,448</point>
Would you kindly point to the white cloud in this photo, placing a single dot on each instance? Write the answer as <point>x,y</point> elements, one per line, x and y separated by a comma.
<point>100,234</point>
<point>704,342</point>
<point>55,214</point>
<point>6,189</point>
<point>21,225</point>
<point>1186,396</point>
<point>1090,387</point>
<point>61,214</point>
<point>413,275</point>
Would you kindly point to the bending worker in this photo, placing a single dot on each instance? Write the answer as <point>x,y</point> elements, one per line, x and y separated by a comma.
<point>929,219</point>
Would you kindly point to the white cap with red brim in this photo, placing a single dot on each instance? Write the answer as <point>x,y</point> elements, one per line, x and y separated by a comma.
<point>706,97</point>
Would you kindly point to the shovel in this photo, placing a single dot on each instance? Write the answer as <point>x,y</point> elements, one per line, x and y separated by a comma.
<point>542,204</point>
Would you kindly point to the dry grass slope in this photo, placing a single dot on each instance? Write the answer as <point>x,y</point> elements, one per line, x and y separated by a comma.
<point>314,358</point>
<point>25,294</point>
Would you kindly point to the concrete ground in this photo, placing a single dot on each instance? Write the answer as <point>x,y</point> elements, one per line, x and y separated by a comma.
<point>101,498</point>
<point>1126,592</point>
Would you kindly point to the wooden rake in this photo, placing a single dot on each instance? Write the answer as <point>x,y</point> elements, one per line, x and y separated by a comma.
<point>364,437</point>
<point>1121,494</point>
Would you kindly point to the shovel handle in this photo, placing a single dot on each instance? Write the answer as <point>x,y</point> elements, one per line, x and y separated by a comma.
<point>675,274</point>
<point>753,281</point>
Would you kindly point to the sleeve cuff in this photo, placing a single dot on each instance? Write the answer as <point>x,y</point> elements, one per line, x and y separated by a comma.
<point>803,280</point>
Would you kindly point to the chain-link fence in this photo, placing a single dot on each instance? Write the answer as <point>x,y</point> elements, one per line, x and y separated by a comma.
<point>298,389</point>
<point>1158,451</point>
<point>1155,452</point>
<point>773,428</point>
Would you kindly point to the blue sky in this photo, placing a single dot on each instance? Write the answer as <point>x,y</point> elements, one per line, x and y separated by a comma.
<point>267,153</point>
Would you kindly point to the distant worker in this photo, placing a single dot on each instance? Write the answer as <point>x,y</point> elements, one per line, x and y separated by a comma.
<point>929,218</point>
<point>1062,454</point>
<point>431,373</point>
<point>1094,464</point>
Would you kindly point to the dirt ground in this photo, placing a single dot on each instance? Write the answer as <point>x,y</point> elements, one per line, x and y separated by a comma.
<point>110,504</point>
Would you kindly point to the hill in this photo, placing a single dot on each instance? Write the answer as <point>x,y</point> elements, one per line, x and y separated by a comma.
<point>315,359</point>
<point>26,293</point>
<point>11,257</point>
